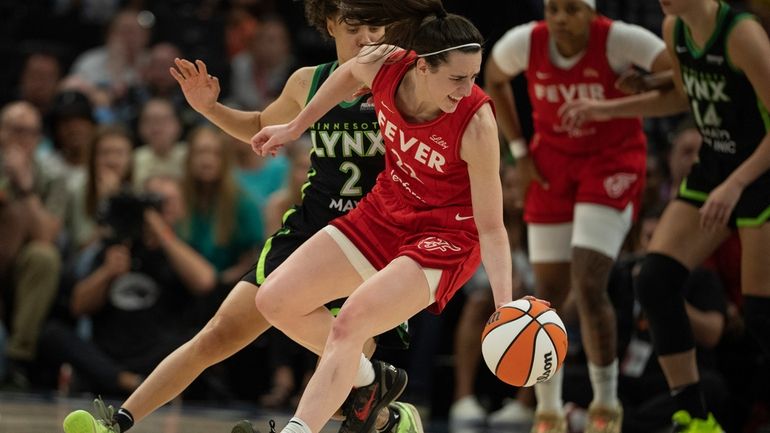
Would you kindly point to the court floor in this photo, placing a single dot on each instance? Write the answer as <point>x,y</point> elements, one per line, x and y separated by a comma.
<point>24,413</point>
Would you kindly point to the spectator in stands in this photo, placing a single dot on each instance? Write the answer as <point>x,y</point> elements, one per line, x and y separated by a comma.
<point>162,151</point>
<point>140,293</point>
<point>259,74</point>
<point>223,223</point>
<point>31,205</point>
<point>115,66</point>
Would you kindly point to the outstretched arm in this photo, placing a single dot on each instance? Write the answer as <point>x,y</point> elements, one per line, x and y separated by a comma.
<point>202,91</point>
<point>481,151</point>
<point>342,84</point>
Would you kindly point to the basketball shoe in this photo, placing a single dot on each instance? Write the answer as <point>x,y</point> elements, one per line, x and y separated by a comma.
<point>246,427</point>
<point>364,404</point>
<point>684,423</point>
<point>81,421</point>
<point>409,420</point>
<point>604,419</point>
<point>547,422</point>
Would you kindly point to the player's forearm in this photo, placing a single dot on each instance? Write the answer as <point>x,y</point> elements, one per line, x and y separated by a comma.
<point>505,106</point>
<point>239,124</point>
<point>656,103</point>
<point>340,85</point>
<point>496,257</point>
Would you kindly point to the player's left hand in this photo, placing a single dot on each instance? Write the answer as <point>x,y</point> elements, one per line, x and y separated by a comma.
<point>577,112</point>
<point>271,138</point>
<point>715,212</point>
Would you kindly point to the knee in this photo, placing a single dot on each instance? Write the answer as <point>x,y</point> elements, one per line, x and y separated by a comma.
<point>590,271</point>
<point>347,326</point>
<point>661,277</point>
<point>271,302</point>
<point>40,256</point>
<point>213,339</point>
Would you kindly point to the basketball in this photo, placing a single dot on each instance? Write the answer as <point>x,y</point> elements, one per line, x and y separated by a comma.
<point>524,342</point>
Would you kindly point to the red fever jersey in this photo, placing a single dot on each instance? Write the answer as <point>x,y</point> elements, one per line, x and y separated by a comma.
<point>420,206</point>
<point>600,162</point>
<point>591,77</point>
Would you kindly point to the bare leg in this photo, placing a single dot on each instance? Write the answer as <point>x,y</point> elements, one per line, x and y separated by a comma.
<point>467,353</point>
<point>236,324</point>
<point>367,312</point>
<point>590,272</point>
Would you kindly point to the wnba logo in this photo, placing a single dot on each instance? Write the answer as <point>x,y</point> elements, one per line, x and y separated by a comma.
<point>433,243</point>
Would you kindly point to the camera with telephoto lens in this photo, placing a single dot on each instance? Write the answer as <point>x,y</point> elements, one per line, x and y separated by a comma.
<point>123,214</point>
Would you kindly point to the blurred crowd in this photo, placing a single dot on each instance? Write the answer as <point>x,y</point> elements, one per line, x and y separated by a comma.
<point>125,217</point>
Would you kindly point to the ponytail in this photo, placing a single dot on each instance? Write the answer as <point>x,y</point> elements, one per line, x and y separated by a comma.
<point>422,26</point>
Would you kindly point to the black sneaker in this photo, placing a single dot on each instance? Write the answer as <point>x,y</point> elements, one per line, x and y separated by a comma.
<point>246,427</point>
<point>366,402</point>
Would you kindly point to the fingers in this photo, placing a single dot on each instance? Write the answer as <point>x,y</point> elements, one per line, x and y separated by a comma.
<point>177,76</point>
<point>714,215</point>
<point>202,68</point>
<point>568,114</point>
<point>537,177</point>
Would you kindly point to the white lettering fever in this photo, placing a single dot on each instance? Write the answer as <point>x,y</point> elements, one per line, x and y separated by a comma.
<point>420,151</point>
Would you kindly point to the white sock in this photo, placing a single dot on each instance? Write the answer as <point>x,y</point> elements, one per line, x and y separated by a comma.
<point>549,394</point>
<point>365,373</point>
<point>296,425</point>
<point>604,381</point>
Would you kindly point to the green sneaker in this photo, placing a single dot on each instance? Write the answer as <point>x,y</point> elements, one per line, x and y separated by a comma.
<point>684,423</point>
<point>81,421</point>
<point>409,421</point>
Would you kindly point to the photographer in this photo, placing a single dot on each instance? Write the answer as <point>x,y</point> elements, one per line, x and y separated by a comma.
<point>141,293</point>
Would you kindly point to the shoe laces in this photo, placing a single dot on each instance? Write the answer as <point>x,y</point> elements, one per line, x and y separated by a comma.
<point>271,423</point>
<point>104,414</point>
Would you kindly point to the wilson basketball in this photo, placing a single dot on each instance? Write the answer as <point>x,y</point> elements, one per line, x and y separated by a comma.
<point>524,342</point>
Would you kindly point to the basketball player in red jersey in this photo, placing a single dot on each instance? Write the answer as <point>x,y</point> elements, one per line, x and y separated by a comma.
<point>583,184</point>
<point>435,211</point>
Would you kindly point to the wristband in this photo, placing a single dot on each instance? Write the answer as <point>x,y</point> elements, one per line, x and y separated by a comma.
<point>518,147</point>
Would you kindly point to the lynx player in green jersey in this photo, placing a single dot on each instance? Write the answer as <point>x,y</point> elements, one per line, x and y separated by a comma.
<point>722,64</point>
<point>347,157</point>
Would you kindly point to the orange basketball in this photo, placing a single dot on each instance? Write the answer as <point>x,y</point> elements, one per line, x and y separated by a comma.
<point>524,342</point>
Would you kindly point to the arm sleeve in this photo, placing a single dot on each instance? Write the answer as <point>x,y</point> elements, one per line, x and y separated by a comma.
<point>629,44</point>
<point>511,52</point>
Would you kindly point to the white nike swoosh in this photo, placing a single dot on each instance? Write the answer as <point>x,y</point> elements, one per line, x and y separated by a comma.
<point>462,218</point>
<point>542,75</point>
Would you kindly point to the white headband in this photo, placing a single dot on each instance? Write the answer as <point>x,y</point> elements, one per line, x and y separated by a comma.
<point>472,44</point>
<point>590,3</point>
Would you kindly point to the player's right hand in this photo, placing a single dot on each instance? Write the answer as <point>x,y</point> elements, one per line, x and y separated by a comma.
<point>528,173</point>
<point>575,113</point>
<point>271,138</point>
<point>200,89</point>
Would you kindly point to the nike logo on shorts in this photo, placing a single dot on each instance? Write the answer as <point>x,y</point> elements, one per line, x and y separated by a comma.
<point>462,218</point>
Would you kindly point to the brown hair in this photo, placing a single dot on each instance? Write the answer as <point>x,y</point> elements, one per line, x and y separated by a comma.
<point>422,26</point>
<point>225,200</point>
<point>92,194</point>
<point>318,11</point>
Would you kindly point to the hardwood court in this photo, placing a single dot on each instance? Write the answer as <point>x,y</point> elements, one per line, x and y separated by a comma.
<point>24,413</point>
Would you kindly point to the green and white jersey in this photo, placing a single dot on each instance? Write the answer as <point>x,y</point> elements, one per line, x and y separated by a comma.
<point>730,116</point>
<point>347,155</point>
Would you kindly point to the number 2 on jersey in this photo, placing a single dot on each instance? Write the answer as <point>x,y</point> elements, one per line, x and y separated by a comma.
<point>351,188</point>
